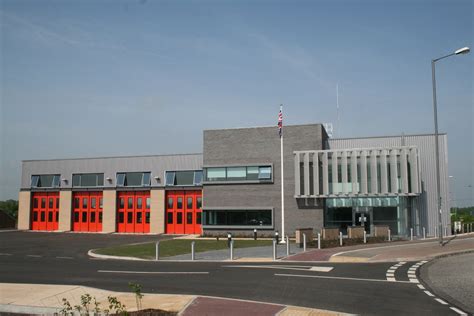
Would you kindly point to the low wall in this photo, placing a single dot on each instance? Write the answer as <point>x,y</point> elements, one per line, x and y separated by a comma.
<point>330,233</point>
<point>381,230</point>
<point>355,232</point>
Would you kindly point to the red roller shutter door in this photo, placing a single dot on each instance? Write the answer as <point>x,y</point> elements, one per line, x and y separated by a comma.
<point>133,212</point>
<point>45,211</point>
<point>87,212</point>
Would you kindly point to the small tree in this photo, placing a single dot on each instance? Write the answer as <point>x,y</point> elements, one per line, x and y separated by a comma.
<point>137,289</point>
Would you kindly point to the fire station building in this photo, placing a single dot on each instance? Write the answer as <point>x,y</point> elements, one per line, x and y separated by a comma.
<point>235,185</point>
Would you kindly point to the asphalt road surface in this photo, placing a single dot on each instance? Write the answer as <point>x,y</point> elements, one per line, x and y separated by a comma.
<point>362,288</point>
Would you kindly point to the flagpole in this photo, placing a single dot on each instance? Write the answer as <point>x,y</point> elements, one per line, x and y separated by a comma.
<point>282,185</point>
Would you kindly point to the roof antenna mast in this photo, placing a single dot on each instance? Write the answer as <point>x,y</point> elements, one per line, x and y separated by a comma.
<point>337,111</point>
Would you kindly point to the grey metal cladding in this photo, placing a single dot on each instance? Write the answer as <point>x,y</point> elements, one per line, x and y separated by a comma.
<point>256,145</point>
<point>157,165</point>
<point>426,202</point>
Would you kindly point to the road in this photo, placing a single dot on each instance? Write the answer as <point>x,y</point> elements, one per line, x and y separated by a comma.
<point>361,288</point>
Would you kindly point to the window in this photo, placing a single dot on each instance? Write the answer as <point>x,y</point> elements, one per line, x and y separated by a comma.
<point>93,203</point>
<point>130,203</point>
<point>139,203</point>
<point>147,217</point>
<point>238,218</point>
<point>179,218</point>
<point>197,177</point>
<point>45,181</point>
<point>170,178</point>
<point>183,178</point>
<point>198,218</point>
<point>120,179</point>
<point>88,180</point>
<point>121,218</point>
<point>265,173</point>
<point>84,203</point>
<point>133,179</point>
<point>252,173</point>
<point>170,218</point>
<point>100,203</point>
<point>236,173</point>
<point>216,174</point>
<point>189,218</point>
<point>199,203</point>
<point>77,203</point>
<point>147,202</point>
<point>241,173</point>
<point>139,217</point>
<point>35,203</point>
<point>43,203</point>
<point>76,217</point>
<point>122,203</point>
<point>189,203</point>
<point>84,217</point>
<point>170,203</point>
<point>35,216</point>
<point>129,217</point>
<point>93,217</point>
<point>51,203</point>
<point>180,203</point>
<point>100,217</point>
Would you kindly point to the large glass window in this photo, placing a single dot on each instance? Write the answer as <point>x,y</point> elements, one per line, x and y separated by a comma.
<point>133,179</point>
<point>241,173</point>
<point>45,181</point>
<point>238,218</point>
<point>183,178</point>
<point>88,180</point>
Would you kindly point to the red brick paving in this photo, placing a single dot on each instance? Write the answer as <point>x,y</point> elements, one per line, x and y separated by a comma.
<point>217,307</point>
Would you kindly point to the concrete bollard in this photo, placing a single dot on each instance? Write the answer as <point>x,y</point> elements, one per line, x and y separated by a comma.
<point>192,250</point>
<point>304,242</point>
<point>287,246</point>
<point>411,234</point>
<point>340,239</point>
<point>274,250</point>
<point>389,235</point>
<point>319,241</point>
<point>157,251</point>
<point>365,237</point>
<point>232,250</point>
<point>424,233</point>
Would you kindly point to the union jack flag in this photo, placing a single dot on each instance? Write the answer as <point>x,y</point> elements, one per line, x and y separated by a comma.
<point>280,121</point>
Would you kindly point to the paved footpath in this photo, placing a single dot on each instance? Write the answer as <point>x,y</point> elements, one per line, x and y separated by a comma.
<point>47,300</point>
<point>452,277</point>
<point>390,252</point>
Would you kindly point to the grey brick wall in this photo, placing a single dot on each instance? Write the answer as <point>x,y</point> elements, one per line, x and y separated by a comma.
<point>261,145</point>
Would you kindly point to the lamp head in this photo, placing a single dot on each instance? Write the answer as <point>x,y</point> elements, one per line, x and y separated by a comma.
<point>463,50</point>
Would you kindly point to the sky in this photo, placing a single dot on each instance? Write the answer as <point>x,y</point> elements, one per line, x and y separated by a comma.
<point>130,77</point>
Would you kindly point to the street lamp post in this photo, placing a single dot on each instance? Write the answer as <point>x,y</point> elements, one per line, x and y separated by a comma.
<point>460,51</point>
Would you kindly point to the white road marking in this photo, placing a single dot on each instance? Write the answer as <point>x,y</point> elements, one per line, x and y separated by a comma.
<point>390,275</point>
<point>429,293</point>
<point>281,267</point>
<point>441,301</point>
<point>421,287</point>
<point>64,257</point>
<point>151,272</point>
<point>34,256</point>
<point>5,254</point>
<point>414,281</point>
<point>336,278</point>
<point>460,312</point>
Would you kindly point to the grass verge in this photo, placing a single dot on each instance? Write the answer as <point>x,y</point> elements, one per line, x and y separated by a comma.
<point>174,247</point>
